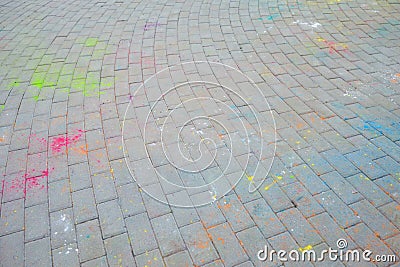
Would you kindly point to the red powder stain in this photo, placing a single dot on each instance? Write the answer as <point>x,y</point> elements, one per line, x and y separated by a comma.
<point>61,142</point>
<point>27,182</point>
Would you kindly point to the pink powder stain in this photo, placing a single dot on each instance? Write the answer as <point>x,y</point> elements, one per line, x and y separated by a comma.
<point>21,184</point>
<point>60,142</point>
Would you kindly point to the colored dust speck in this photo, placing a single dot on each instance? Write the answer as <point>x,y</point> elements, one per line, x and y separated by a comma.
<point>2,108</point>
<point>309,247</point>
<point>91,42</point>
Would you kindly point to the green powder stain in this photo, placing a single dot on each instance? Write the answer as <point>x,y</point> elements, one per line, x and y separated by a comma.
<point>91,42</point>
<point>13,84</point>
<point>2,108</point>
<point>37,81</point>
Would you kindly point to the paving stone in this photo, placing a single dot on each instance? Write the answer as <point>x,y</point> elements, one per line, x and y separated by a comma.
<point>299,228</point>
<point>151,258</point>
<point>36,222</point>
<point>335,207</point>
<point>90,244</point>
<point>374,219</point>
<point>182,215</point>
<point>104,187</point>
<point>227,245</point>
<point>342,188</point>
<point>66,255</point>
<point>119,251</point>
<point>167,234</point>
<point>12,252</point>
<point>79,176</point>
<point>181,258</point>
<point>308,178</point>
<point>369,190</point>
<point>315,161</point>
<point>210,215</point>
<point>366,165</point>
<point>302,200</point>
<point>62,229</point>
<point>12,217</point>
<point>111,219</point>
<point>340,162</point>
<point>140,233</point>
<point>330,231</point>
<point>264,217</point>
<point>99,262</point>
<point>130,200</point>
<point>59,195</point>
<point>198,243</point>
<point>235,213</point>
<point>365,238</point>
<point>285,242</point>
<point>252,241</point>
<point>31,256</point>
<point>84,205</point>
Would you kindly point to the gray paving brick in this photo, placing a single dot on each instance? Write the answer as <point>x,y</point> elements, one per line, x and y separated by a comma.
<point>252,241</point>
<point>111,219</point>
<point>99,262</point>
<point>36,222</point>
<point>167,234</point>
<point>31,256</point>
<point>84,205</point>
<point>315,161</point>
<point>299,228</point>
<point>369,189</point>
<point>264,217</point>
<point>12,217</point>
<point>227,245</point>
<point>66,255</point>
<point>200,246</point>
<point>151,258</point>
<point>235,213</point>
<point>79,176</point>
<point>302,200</point>
<point>119,251</point>
<point>12,252</point>
<point>366,165</point>
<point>210,215</point>
<point>181,258</point>
<point>62,228</point>
<point>104,187</point>
<point>59,195</point>
<point>335,207</point>
<point>308,178</point>
<point>130,200</point>
<point>339,162</point>
<point>330,231</point>
<point>374,219</point>
<point>90,244</point>
<point>342,188</point>
<point>182,216</point>
<point>285,242</point>
<point>365,238</point>
<point>140,233</point>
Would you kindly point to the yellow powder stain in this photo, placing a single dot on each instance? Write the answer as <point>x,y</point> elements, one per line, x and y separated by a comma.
<point>250,178</point>
<point>309,247</point>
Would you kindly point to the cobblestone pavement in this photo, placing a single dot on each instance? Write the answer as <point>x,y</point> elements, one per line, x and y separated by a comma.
<point>95,166</point>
